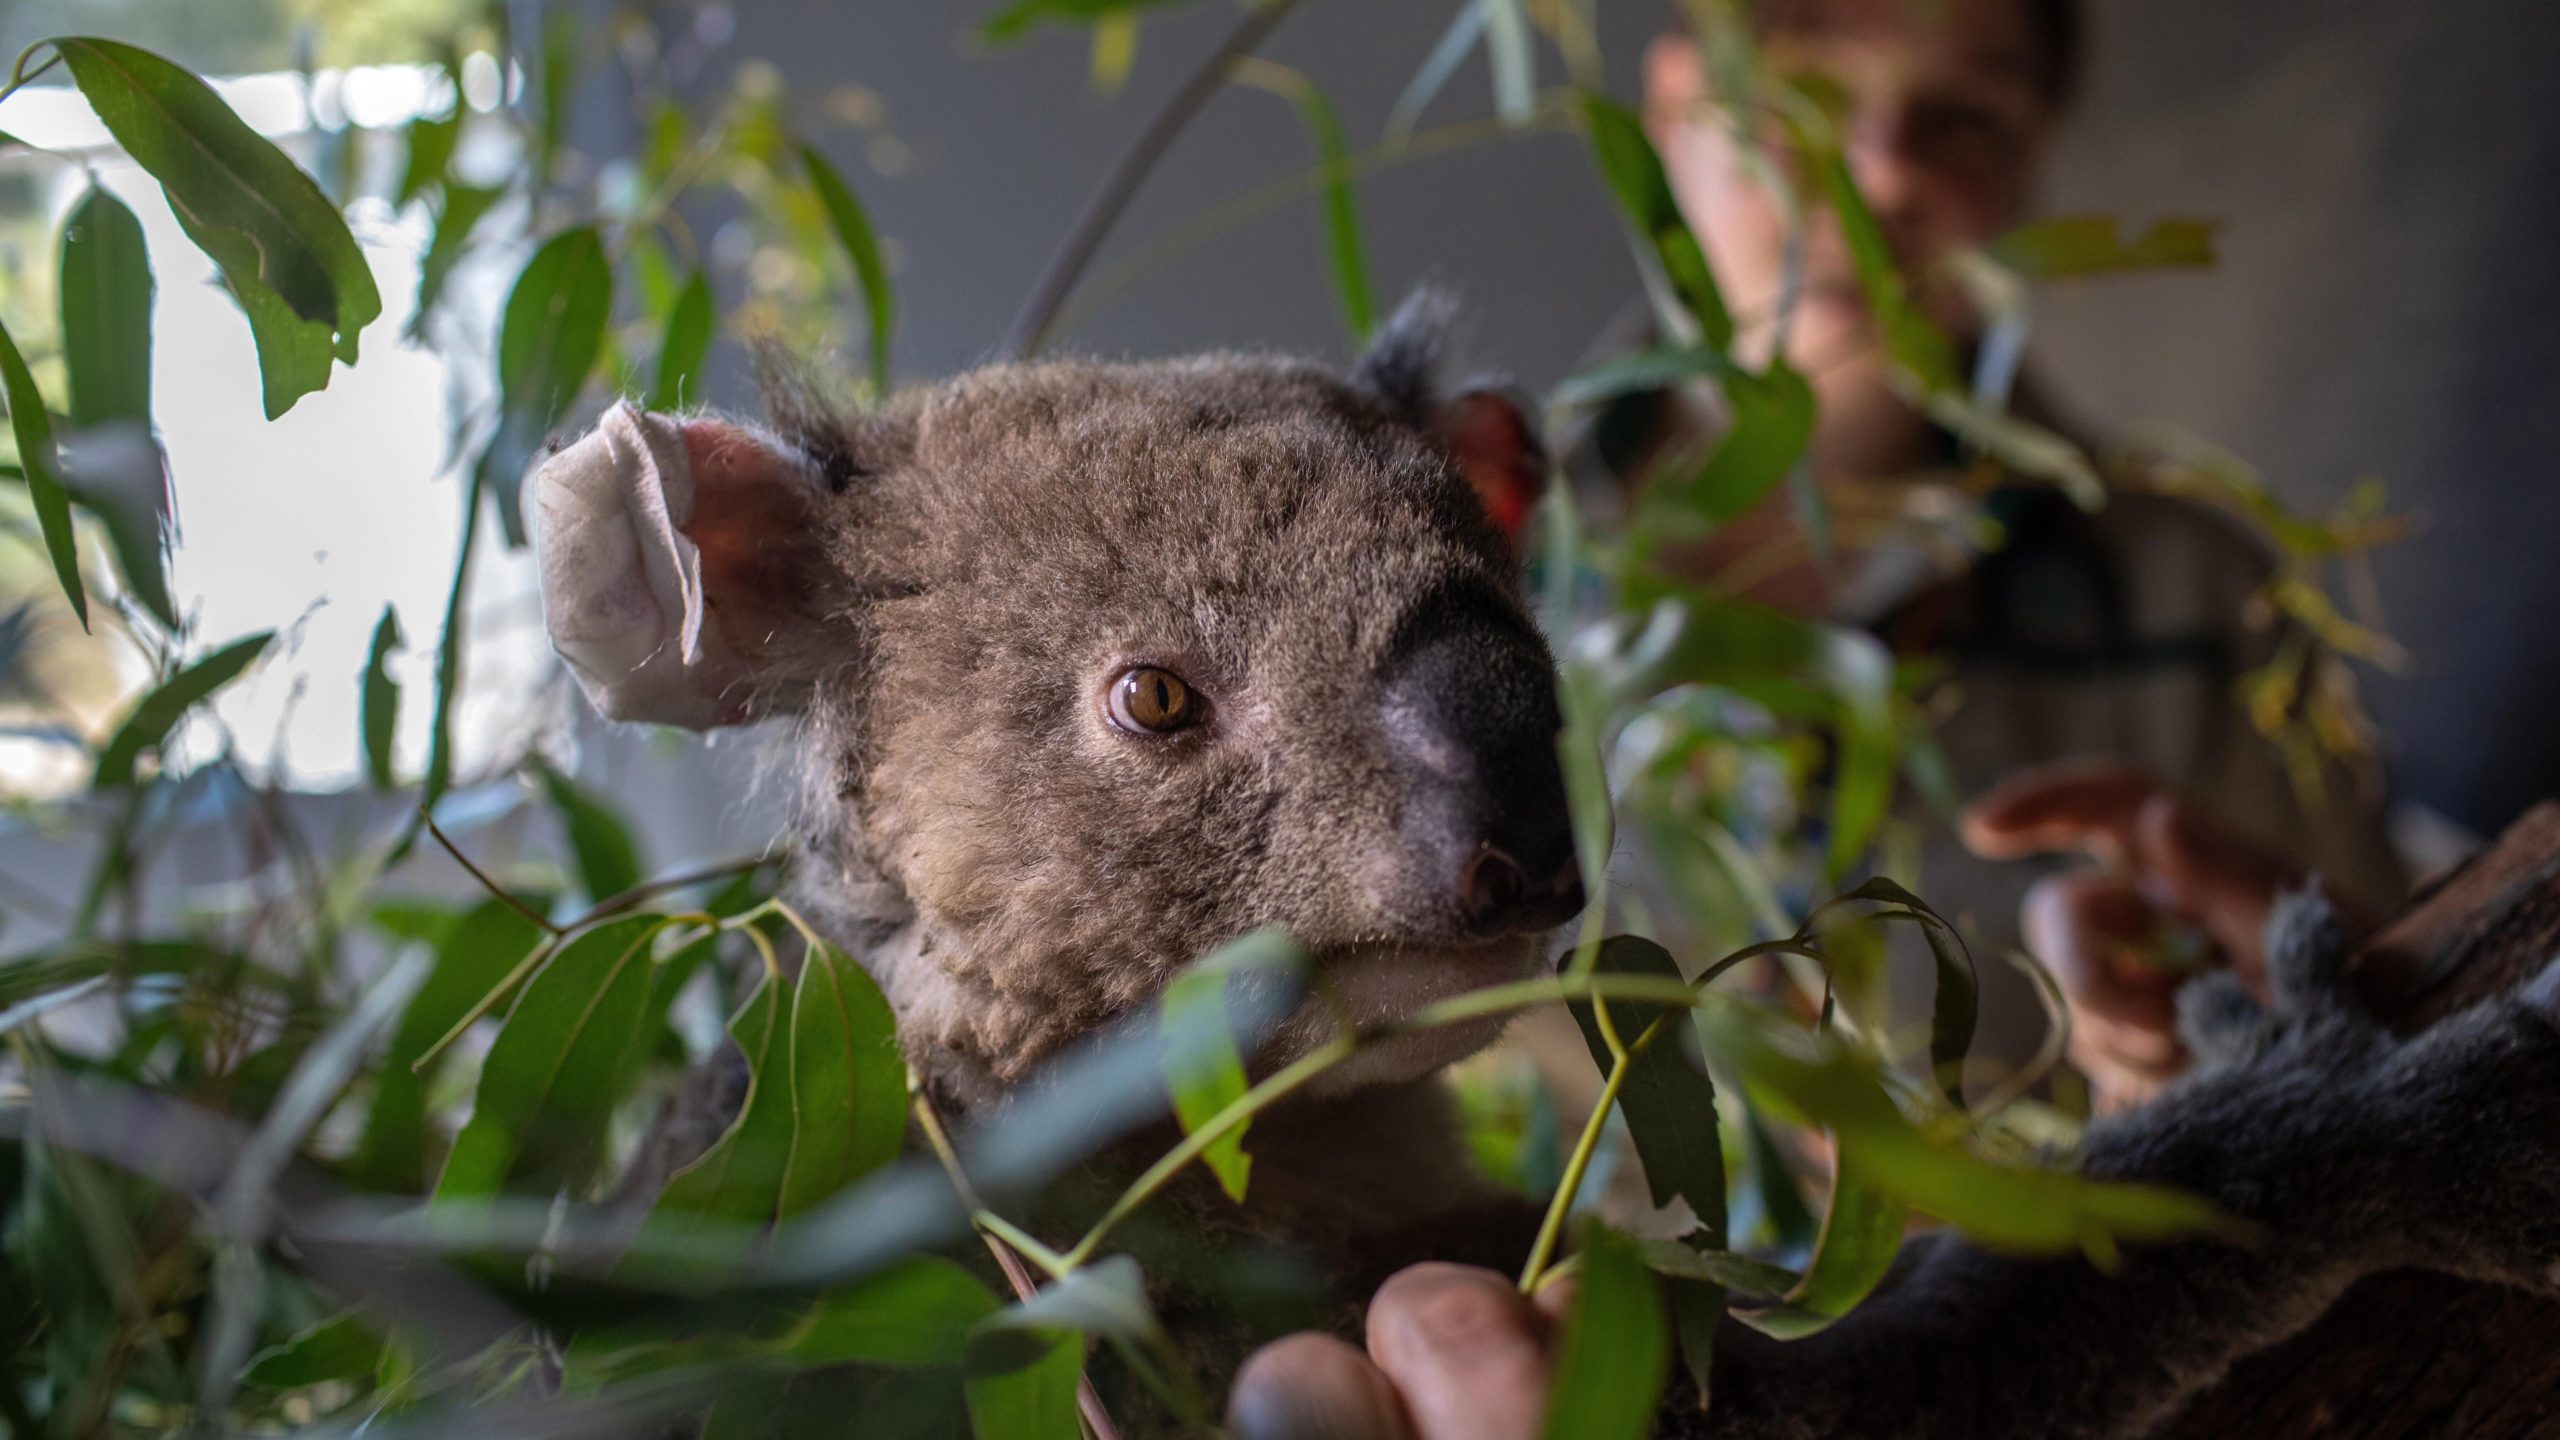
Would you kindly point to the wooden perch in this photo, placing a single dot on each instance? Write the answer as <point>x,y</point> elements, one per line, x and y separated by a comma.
<point>2410,1355</point>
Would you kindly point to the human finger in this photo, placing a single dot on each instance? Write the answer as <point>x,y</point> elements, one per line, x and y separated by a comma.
<point>1465,1350</point>
<point>2090,805</point>
<point>1314,1387</point>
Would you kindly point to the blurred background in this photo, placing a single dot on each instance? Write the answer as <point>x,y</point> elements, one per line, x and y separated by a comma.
<point>2387,176</point>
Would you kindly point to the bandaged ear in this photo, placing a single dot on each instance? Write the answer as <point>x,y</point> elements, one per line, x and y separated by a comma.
<point>678,558</point>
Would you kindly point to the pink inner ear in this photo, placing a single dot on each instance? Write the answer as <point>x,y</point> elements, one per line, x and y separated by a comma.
<point>1497,449</point>
<point>750,521</point>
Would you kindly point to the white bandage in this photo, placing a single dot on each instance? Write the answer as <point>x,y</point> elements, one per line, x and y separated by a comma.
<point>621,583</point>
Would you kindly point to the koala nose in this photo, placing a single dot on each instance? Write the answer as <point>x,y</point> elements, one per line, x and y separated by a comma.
<point>1496,896</point>
<point>1471,721</point>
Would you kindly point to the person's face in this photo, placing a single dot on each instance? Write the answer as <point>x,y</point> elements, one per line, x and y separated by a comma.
<point>1944,129</point>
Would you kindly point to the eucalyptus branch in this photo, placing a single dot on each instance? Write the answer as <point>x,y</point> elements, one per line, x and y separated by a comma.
<point>428,819</point>
<point>1243,1108</point>
<point>615,904</point>
<point>1058,279</point>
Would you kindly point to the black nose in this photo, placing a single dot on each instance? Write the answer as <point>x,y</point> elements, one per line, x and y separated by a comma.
<point>1471,722</point>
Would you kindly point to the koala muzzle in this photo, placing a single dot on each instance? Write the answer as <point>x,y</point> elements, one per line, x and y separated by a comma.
<point>1471,721</point>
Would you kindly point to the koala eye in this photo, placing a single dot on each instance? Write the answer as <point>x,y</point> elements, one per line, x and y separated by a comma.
<point>1147,700</point>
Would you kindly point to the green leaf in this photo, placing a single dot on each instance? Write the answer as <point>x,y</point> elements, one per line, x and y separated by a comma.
<point>1771,424</point>
<point>474,955</point>
<point>1015,20</point>
<point>1669,1102</point>
<point>334,1349</point>
<point>459,209</point>
<point>740,1177</point>
<point>41,464</point>
<point>1670,1108</point>
<point>1636,178</point>
<point>431,143</point>
<point>1202,1066</point>
<point>853,232</point>
<point>555,1070</point>
<point>1909,337</point>
<point>560,34</point>
<point>1739,1273</point>
<point>380,708</point>
<point>608,860</point>
<point>1861,1233</point>
<point>920,1312</point>
<point>264,221</point>
<point>151,719</point>
<point>1115,51</point>
<point>682,348</point>
<point>2095,245</point>
<point>549,340</point>
<point>2024,446</point>
<point>106,287</point>
<point>1958,1002</point>
<point>13,1016</point>
<point>848,1081</point>
<point>1813,1080</point>
<point>1615,1352</point>
<point>1028,1397</point>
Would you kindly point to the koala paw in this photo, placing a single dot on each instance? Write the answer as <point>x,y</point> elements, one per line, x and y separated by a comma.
<point>2440,1150</point>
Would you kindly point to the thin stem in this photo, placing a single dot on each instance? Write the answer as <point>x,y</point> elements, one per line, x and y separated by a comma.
<point>492,886</point>
<point>1244,1107</point>
<point>1009,1243</point>
<point>613,904</point>
<point>1058,279</point>
<point>1578,1164</point>
<point>20,76</point>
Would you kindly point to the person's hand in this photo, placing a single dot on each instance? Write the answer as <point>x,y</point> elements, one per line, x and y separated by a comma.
<point>2173,890</point>
<point>1454,1353</point>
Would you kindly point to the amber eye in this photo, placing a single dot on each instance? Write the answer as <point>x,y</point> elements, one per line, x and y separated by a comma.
<point>1151,701</point>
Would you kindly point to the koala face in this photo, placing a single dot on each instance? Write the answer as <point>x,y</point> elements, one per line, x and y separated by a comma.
<point>1100,666</point>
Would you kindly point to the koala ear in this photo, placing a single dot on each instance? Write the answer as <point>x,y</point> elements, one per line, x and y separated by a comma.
<point>1485,426</point>
<point>679,560</point>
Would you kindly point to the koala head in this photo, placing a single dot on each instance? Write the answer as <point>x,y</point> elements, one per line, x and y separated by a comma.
<point>1094,667</point>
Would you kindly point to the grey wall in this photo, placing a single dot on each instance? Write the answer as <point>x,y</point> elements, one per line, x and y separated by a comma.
<point>2389,172</point>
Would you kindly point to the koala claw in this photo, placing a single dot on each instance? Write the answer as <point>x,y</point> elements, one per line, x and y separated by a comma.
<point>2218,1019</point>
<point>2307,955</point>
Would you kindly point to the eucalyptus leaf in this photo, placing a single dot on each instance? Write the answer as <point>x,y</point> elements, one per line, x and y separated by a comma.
<point>853,231</point>
<point>1668,1101</point>
<point>459,209</point>
<point>556,1067</point>
<point>921,1312</point>
<point>339,1348</point>
<point>848,1081</point>
<point>1344,252</point>
<point>379,709</point>
<point>1909,336</point>
<point>608,860</point>
<point>149,722</point>
<point>106,289</point>
<point>1861,1234</point>
<point>549,340</point>
<point>739,1178</point>
<point>1507,53</point>
<point>1028,1397</point>
<point>265,222</point>
<point>1017,19</point>
<point>39,464</point>
<point>474,955</point>
<point>1615,1352</point>
<point>431,144</point>
<point>681,349</point>
<point>1203,1066</point>
<point>1770,426</point>
<point>1465,29</point>
<point>1643,191</point>
<point>2074,245</point>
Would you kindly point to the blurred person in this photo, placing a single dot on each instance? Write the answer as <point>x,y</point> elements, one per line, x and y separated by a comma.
<point>2095,655</point>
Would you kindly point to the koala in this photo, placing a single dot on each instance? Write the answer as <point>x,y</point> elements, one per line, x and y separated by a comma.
<point>1089,667</point>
